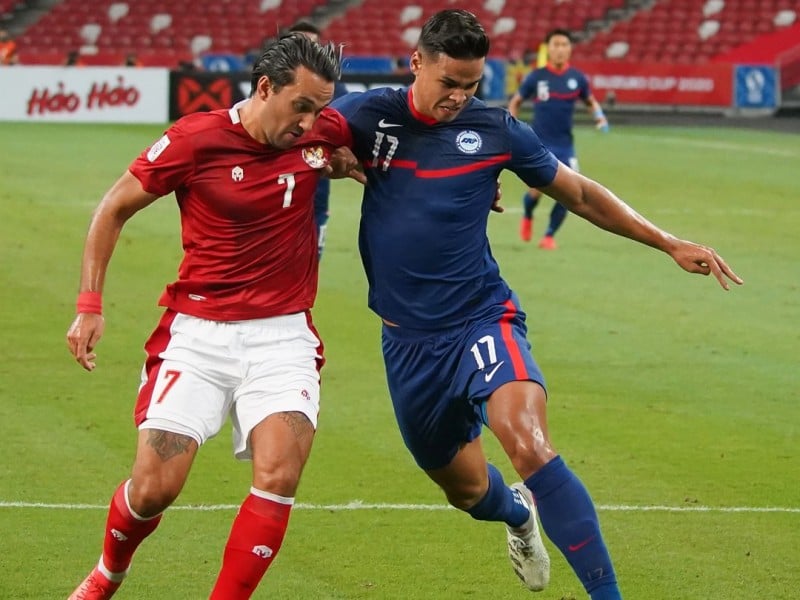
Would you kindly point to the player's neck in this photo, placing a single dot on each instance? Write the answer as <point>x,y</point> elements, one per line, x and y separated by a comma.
<point>416,112</point>
<point>558,68</point>
<point>248,117</point>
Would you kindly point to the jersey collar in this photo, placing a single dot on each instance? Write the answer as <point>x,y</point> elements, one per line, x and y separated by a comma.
<point>550,67</point>
<point>233,112</point>
<point>415,113</point>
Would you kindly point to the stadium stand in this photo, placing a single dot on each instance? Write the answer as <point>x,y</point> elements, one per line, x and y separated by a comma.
<point>6,7</point>
<point>376,27</point>
<point>689,31</point>
<point>170,33</point>
<point>160,33</point>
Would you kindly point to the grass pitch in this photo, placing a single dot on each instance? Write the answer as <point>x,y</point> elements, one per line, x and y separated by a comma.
<point>677,403</point>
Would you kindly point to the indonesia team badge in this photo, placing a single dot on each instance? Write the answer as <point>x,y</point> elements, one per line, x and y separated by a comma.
<point>315,157</point>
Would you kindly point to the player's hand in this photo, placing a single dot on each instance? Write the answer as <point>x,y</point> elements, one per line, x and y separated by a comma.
<point>83,335</point>
<point>602,125</point>
<point>704,260</point>
<point>496,207</point>
<point>343,163</point>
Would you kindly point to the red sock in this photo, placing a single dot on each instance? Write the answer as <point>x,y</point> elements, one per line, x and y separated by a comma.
<point>124,532</point>
<point>255,539</point>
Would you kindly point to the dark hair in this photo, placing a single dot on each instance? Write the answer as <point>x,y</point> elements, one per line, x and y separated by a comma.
<point>456,33</point>
<point>281,57</point>
<point>305,27</point>
<point>558,31</point>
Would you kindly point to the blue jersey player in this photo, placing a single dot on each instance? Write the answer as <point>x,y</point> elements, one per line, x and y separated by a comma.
<point>554,88</point>
<point>454,334</point>
<point>323,194</point>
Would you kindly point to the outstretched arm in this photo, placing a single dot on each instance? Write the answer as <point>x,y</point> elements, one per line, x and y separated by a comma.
<point>597,204</point>
<point>600,120</point>
<point>514,104</point>
<point>120,203</point>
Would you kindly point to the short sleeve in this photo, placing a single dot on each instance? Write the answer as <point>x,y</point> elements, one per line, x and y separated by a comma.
<point>348,104</point>
<point>528,86</point>
<point>167,164</point>
<point>349,107</point>
<point>337,131</point>
<point>585,89</point>
<point>530,159</point>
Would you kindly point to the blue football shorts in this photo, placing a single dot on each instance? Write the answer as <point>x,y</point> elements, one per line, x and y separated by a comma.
<point>439,381</point>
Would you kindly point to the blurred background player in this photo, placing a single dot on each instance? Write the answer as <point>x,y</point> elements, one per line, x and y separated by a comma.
<point>323,194</point>
<point>73,59</point>
<point>554,88</point>
<point>131,60</point>
<point>8,49</point>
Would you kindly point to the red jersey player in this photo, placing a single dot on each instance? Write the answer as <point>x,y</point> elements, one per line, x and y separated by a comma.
<point>236,337</point>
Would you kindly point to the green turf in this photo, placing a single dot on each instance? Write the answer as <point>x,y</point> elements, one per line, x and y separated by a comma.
<point>665,390</point>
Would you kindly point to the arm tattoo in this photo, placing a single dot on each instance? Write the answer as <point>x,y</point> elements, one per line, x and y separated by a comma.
<point>168,444</point>
<point>298,423</point>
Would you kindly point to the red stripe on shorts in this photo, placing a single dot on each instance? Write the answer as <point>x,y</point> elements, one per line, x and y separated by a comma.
<point>320,348</point>
<point>508,338</point>
<point>155,345</point>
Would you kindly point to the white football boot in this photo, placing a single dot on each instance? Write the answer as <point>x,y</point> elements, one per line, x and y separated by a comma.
<point>525,548</point>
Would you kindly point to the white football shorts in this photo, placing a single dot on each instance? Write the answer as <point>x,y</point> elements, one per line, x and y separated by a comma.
<point>200,371</point>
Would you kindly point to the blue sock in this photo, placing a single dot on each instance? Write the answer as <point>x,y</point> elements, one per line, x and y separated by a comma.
<point>529,204</point>
<point>500,503</point>
<point>570,521</point>
<point>557,216</point>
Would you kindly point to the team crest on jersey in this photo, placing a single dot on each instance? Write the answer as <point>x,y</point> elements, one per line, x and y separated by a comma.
<point>469,142</point>
<point>237,173</point>
<point>572,83</point>
<point>314,157</point>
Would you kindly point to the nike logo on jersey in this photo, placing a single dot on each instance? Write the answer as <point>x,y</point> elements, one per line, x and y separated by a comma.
<point>490,374</point>
<point>383,124</point>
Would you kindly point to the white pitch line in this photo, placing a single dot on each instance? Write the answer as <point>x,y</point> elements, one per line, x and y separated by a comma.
<point>727,146</point>
<point>359,505</point>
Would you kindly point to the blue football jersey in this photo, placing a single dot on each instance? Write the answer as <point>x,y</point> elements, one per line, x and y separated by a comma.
<point>554,94</point>
<point>430,188</point>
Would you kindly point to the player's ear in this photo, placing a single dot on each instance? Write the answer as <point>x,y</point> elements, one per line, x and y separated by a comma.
<point>264,87</point>
<point>416,62</point>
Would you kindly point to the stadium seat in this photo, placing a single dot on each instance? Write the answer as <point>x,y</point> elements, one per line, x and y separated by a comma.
<point>160,25</point>
<point>117,10</point>
<point>719,24</point>
<point>377,26</point>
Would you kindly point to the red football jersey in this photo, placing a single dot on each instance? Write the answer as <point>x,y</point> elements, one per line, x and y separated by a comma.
<point>247,214</point>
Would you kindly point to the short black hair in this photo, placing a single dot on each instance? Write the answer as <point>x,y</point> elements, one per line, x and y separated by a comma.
<point>456,33</point>
<point>558,31</point>
<point>305,27</point>
<point>281,57</point>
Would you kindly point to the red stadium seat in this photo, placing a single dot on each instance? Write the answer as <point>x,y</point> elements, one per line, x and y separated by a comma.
<point>132,31</point>
<point>374,26</point>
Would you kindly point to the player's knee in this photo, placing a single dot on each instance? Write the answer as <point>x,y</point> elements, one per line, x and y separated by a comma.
<point>465,495</point>
<point>282,481</point>
<point>149,496</point>
<point>528,454</point>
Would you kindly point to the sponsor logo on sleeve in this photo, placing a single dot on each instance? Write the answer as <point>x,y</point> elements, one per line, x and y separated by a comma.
<point>158,148</point>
